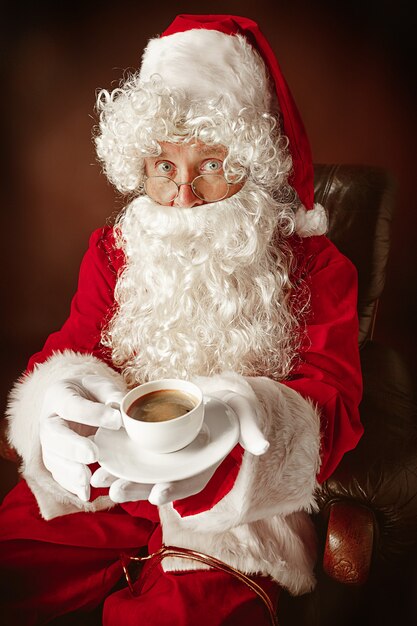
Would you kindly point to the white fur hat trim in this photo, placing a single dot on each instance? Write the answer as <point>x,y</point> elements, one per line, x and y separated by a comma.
<point>202,62</point>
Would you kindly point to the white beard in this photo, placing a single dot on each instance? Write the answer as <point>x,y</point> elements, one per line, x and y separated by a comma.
<point>204,289</point>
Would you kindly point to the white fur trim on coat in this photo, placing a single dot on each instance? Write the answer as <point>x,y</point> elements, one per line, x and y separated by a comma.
<point>23,412</point>
<point>261,525</point>
<point>312,222</point>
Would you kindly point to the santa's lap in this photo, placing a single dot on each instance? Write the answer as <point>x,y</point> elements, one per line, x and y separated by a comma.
<point>72,563</point>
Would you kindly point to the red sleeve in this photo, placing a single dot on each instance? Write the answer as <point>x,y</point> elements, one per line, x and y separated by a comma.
<point>328,371</point>
<point>92,304</point>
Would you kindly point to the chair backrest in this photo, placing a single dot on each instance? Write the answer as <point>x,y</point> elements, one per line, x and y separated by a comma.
<point>359,200</point>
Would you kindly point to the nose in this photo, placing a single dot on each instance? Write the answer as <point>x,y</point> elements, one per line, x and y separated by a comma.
<point>186,198</point>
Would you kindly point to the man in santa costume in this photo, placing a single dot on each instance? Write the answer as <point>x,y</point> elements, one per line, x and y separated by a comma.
<point>217,271</point>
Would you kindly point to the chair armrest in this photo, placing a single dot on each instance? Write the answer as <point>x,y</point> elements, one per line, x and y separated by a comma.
<point>349,542</point>
<point>380,475</point>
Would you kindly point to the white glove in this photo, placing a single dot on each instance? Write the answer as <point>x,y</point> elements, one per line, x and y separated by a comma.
<point>126,491</point>
<point>72,411</point>
<point>234,389</point>
<point>251,439</point>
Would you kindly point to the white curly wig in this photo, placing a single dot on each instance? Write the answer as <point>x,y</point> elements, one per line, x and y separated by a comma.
<point>179,95</point>
<point>203,289</point>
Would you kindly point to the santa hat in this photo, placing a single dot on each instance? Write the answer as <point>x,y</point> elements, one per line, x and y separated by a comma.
<point>201,54</point>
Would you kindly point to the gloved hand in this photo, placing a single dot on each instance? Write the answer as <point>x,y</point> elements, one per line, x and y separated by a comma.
<point>238,394</point>
<point>72,411</point>
<point>126,491</point>
<point>251,439</point>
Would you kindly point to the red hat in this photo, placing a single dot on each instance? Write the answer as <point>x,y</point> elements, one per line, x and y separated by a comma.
<point>292,126</point>
<point>218,76</point>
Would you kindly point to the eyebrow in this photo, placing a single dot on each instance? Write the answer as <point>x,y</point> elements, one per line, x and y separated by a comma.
<point>205,149</point>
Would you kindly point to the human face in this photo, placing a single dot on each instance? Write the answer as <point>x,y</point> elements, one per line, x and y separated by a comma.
<point>182,162</point>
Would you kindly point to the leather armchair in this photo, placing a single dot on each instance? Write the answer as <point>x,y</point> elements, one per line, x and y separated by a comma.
<point>367,522</point>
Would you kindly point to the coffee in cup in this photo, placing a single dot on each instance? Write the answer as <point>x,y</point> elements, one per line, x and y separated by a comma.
<point>163,416</point>
<point>161,405</point>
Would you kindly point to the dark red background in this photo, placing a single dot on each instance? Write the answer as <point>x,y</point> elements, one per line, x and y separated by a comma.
<point>349,64</point>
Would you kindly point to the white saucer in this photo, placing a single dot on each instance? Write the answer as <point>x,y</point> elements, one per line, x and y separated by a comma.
<point>120,456</point>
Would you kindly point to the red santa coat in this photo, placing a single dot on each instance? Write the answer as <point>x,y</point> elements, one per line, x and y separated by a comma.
<point>254,512</point>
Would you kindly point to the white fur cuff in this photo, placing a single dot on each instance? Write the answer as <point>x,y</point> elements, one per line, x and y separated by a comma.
<point>262,525</point>
<point>23,413</point>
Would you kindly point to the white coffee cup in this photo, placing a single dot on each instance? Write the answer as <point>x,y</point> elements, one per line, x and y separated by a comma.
<point>168,435</point>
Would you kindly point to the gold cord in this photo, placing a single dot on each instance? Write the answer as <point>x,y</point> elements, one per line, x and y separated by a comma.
<point>211,561</point>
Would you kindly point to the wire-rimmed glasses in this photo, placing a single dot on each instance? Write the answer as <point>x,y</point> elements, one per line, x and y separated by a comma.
<point>206,187</point>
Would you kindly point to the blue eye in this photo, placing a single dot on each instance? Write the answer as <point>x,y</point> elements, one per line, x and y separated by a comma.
<point>164,168</point>
<point>212,165</point>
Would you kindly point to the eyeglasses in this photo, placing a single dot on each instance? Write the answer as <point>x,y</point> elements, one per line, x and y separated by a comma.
<point>207,187</point>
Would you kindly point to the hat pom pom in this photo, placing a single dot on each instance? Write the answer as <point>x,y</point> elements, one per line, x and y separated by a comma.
<point>311,223</point>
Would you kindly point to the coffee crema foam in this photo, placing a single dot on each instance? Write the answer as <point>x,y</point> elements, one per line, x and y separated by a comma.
<point>161,405</point>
